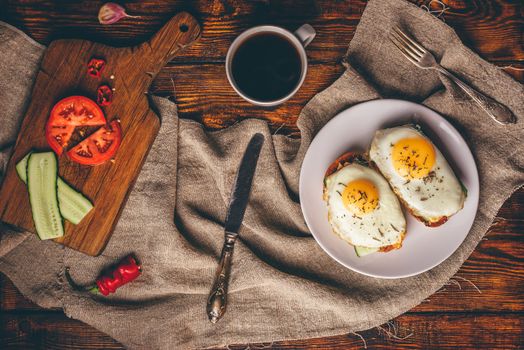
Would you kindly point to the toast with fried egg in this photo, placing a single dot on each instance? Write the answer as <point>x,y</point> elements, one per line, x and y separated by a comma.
<point>362,208</point>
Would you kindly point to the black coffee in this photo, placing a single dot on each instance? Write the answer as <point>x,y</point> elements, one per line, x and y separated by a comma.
<point>266,67</point>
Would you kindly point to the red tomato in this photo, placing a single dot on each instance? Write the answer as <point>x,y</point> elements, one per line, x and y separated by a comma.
<point>66,115</point>
<point>99,147</point>
<point>77,111</point>
<point>58,137</point>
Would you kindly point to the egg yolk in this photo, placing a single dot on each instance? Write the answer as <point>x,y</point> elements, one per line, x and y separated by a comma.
<point>360,197</point>
<point>413,158</point>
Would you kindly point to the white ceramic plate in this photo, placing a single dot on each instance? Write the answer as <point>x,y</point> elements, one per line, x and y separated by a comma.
<point>352,130</point>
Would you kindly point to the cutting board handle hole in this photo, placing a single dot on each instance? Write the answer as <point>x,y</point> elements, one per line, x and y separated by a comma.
<point>183,28</point>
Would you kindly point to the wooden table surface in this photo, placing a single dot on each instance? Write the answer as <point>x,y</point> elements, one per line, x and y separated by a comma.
<point>481,307</point>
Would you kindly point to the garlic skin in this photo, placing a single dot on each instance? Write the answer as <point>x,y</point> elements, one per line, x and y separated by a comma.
<point>111,13</point>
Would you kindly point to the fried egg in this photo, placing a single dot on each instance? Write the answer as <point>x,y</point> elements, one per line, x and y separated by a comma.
<point>362,208</point>
<point>418,173</point>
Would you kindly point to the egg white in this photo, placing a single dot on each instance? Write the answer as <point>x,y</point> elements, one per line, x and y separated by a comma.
<point>430,198</point>
<point>382,227</point>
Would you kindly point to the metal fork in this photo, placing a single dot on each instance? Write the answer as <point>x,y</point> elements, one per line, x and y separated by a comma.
<point>422,58</point>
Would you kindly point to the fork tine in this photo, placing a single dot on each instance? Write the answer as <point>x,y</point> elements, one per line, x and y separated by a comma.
<point>407,44</point>
<point>402,46</point>
<point>411,40</point>
<point>403,51</point>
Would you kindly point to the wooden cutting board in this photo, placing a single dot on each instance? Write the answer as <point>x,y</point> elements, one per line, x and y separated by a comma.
<point>130,70</point>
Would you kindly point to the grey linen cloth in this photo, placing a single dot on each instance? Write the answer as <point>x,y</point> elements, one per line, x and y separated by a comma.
<point>283,285</point>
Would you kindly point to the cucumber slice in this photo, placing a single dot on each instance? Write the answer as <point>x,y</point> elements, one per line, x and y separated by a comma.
<point>363,251</point>
<point>73,205</point>
<point>42,177</point>
<point>21,168</point>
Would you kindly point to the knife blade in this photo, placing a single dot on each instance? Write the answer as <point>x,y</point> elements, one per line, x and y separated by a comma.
<point>242,186</point>
<point>217,301</point>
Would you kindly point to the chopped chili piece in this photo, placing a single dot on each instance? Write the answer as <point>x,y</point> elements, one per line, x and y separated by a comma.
<point>104,95</point>
<point>95,67</point>
<point>126,271</point>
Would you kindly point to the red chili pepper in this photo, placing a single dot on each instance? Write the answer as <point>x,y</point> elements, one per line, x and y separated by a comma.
<point>95,67</point>
<point>104,95</point>
<point>126,271</point>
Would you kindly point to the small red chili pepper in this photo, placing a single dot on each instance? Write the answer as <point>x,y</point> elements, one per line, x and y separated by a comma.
<point>95,67</point>
<point>104,95</point>
<point>126,271</point>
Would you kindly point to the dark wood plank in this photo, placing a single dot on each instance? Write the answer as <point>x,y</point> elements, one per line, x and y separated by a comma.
<point>50,331</point>
<point>11,299</point>
<point>413,331</point>
<point>490,27</point>
<point>425,331</point>
<point>216,104</point>
<point>492,279</point>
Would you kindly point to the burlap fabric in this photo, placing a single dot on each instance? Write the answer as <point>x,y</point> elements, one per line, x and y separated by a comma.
<point>283,285</point>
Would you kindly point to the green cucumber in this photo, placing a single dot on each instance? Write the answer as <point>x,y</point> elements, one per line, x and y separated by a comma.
<point>73,205</point>
<point>21,168</point>
<point>363,251</point>
<point>42,174</point>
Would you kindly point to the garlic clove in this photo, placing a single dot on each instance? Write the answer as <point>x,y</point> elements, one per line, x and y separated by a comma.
<point>111,13</point>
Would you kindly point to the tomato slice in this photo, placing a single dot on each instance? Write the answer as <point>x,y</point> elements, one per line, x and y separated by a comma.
<point>77,111</point>
<point>66,115</point>
<point>58,137</point>
<point>99,147</point>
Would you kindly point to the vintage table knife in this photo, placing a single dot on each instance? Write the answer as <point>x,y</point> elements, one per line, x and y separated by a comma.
<point>216,303</point>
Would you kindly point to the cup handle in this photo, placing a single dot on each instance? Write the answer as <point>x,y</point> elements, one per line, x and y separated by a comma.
<point>305,34</point>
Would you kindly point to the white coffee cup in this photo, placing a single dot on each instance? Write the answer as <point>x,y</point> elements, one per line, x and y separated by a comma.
<point>299,40</point>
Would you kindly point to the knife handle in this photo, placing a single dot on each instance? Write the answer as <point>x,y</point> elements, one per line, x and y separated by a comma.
<point>217,301</point>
